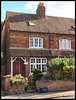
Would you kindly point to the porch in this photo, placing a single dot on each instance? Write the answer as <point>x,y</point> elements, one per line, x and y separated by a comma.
<point>19,66</point>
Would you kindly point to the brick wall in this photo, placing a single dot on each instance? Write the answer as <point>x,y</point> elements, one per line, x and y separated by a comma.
<point>57,85</point>
<point>2,69</point>
<point>21,39</point>
<point>11,89</point>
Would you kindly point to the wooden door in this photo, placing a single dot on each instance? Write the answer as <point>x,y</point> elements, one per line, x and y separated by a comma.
<point>15,68</point>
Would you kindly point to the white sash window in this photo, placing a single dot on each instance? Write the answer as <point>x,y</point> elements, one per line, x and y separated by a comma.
<point>64,44</point>
<point>35,42</point>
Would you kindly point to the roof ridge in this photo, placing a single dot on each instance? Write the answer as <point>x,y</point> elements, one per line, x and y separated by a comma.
<point>59,17</point>
<point>19,12</point>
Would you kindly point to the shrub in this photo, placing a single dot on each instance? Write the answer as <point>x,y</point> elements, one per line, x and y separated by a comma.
<point>57,63</point>
<point>56,69</point>
<point>47,76</point>
<point>37,75</point>
<point>57,75</point>
<point>68,73</point>
<point>17,79</point>
<point>71,62</point>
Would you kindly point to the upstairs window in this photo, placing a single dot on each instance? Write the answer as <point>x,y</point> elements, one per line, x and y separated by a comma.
<point>36,42</point>
<point>64,44</point>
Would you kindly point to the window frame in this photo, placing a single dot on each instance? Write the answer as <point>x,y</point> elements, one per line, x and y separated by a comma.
<point>66,42</point>
<point>34,42</point>
<point>38,64</point>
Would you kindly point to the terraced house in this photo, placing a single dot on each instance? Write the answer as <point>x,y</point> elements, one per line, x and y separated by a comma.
<point>30,40</point>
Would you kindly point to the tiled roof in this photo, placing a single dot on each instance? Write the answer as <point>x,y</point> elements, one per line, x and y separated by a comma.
<point>49,24</point>
<point>31,53</point>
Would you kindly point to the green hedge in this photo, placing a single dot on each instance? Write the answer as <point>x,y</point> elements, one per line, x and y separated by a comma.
<point>68,72</point>
<point>61,68</point>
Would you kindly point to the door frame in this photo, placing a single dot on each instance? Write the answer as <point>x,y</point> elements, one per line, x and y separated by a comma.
<point>13,60</point>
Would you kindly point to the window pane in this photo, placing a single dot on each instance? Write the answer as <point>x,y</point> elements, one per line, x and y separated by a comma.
<point>31,42</point>
<point>43,68</point>
<point>38,66</point>
<point>40,42</point>
<point>68,43</point>
<point>38,60</point>
<point>65,44</point>
<point>60,43</point>
<point>32,60</point>
<point>32,67</point>
<point>43,60</point>
<point>36,42</point>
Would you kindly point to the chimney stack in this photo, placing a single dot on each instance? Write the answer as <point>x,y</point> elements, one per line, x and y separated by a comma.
<point>41,10</point>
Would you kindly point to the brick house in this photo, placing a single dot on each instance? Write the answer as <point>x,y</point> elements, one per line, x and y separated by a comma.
<point>30,40</point>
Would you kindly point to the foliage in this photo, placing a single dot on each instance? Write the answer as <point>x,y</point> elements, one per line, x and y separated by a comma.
<point>26,84</point>
<point>56,69</point>
<point>47,76</point>
<point>71,62</point>
<point>68,72</point>
<point>2,54</point>
<point>37,75</point>
<point>17,79</point>
<point>57,63</point>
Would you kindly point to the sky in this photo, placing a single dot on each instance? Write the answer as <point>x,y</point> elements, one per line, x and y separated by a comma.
<point>53,8</point>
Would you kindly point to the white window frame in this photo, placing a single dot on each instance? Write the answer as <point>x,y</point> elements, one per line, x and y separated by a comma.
<point>66,41</point>
<point>38,64</point>
<point>34,42</point>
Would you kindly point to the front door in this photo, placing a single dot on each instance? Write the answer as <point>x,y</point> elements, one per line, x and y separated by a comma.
<point>15,68</point>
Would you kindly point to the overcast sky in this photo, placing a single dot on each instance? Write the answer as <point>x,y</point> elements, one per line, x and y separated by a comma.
<point>53,8</point>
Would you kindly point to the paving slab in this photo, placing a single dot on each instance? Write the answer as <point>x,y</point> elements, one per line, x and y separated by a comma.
<point>47,95</point>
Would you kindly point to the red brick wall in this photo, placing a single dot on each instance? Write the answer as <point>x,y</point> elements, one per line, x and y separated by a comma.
<point>22,68</point>
<point>57,85</point>
<point>2,69</point>
<point>11,89</point>
<point>21,39</point>
<point>54,42</point>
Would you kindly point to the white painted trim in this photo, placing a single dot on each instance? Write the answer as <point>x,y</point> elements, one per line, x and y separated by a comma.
<point>38,63</point>
<point>14,59</point>
<point>11,66</point>
<point>24,61</point>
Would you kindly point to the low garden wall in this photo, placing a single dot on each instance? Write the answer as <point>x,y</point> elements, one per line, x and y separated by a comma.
<point>56,85</point>
<point>11,89</point>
